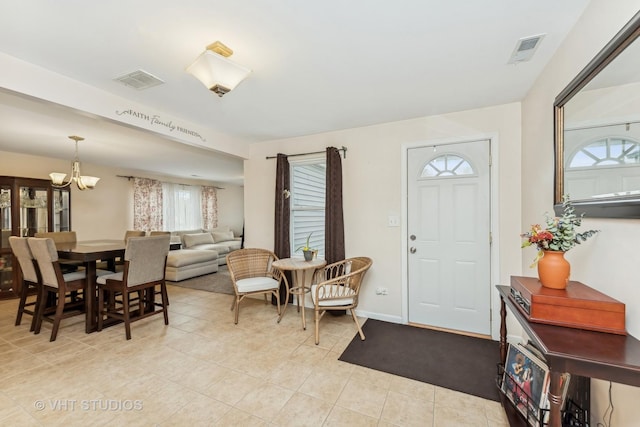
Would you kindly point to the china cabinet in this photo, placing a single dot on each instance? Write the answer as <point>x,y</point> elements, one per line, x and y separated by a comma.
<point>27,206</point>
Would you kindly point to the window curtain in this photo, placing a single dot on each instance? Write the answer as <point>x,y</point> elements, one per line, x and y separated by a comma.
<point>181,207</point>
<point>147,204</point>
<point>333,220</point>
<point>209,207</point>
<point>282,245</point>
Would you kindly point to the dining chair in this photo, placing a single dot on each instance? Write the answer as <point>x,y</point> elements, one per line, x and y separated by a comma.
<point>145,260</point>
<point>337,287</point>
<point>30,278</point>
<point>67,265</point>
<point>252,274</point>
<point>56,282</point>
<point>134,233</point>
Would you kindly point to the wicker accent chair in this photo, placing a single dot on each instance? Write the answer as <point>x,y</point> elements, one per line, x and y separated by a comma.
<point>53,280</point>
<point>30,278</point>
<point>252,273</point>
<point>337,287</point>
<point>145,259</point>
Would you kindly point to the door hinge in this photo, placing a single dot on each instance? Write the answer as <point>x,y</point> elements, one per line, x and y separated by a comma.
<point>490,238</point>
<point>490,315</point>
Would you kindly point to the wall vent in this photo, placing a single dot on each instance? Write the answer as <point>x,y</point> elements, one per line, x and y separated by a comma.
<point>525,48</point>
<point>139,79</point>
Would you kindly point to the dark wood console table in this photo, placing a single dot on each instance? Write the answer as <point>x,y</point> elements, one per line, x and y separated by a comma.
<point>591,354</point>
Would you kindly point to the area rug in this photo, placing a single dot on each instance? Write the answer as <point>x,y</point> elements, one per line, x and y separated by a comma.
<point>219,282</point>
<point>457,362</point>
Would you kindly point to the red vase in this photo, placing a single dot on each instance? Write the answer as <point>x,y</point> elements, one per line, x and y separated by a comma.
<point>554,270</point>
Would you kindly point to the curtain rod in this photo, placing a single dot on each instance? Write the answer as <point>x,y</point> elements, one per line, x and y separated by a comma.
<point>343,149</point>
<point>130,177</point>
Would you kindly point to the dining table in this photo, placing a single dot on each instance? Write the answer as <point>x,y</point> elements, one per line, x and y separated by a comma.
<point>89,252</point>
<point>300,269</point>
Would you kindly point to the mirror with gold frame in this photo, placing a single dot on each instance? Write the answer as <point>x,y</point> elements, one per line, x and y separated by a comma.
<point>597,132</point>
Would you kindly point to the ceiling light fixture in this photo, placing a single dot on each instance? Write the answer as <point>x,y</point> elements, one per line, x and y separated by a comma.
<point>218,73</point>
<point>83,182</point>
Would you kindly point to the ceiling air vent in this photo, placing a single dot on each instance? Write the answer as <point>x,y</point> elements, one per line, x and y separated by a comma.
<point>525,48</point>
<point>139,79</point>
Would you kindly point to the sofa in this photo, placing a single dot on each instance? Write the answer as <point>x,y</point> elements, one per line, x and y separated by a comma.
<point>221,239</point>
<point>184,264</point>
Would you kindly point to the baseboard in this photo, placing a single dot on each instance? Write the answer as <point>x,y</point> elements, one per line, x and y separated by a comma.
<point>378,316</point>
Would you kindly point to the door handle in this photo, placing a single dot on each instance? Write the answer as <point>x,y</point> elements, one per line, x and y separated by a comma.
<point>412,250</point>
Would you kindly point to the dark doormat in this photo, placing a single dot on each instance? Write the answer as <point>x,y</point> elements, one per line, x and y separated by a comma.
<point>452,361</point>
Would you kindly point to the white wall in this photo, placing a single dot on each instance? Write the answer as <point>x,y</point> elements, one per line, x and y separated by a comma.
<point>372,181</point>
<point>606,262</point>
<point>107,211</point>
<point>231,207</point>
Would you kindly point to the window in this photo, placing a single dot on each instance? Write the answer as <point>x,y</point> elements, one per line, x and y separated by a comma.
<point>181,207</point>
<point>308,187</point>
<point>447,165</point>
<point>606,152</point>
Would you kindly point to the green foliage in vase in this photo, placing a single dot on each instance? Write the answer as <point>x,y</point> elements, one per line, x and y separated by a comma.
<point>559,233</point>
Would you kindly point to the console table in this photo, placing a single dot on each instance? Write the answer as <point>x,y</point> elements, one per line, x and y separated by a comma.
<point>591,354</point>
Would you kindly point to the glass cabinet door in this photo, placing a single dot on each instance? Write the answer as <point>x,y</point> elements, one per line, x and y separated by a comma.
<point>34,211</point>
<point>61,210</point>
<point>6,260</point>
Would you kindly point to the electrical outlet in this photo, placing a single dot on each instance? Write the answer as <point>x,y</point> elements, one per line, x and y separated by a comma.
<point>382,291</point>
<point>394,221</point>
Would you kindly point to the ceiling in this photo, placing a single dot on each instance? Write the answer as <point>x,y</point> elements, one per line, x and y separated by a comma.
<point>316,67</point>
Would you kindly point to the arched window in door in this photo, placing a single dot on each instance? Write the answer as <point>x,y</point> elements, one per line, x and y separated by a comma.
<point>447,165</point>
<point>606,152</point>
<point>603,167</point>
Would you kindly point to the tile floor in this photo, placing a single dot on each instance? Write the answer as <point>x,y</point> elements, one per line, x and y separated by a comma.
<point>202,370</point>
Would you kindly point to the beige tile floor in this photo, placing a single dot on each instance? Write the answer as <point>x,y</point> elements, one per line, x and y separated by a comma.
<point>202,370</point>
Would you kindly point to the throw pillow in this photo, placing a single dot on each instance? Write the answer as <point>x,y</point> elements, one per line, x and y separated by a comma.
<point>190,240</point>
<point>222,236</point>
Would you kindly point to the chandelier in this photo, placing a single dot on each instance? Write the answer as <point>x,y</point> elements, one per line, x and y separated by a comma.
<point>83,182</point>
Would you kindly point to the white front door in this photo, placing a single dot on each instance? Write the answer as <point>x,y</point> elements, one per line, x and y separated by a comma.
<point>449,236</point>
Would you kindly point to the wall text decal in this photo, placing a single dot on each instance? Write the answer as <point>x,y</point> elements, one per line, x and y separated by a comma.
<point>156,120</point>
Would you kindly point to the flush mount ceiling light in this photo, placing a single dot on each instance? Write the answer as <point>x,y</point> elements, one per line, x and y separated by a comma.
<point>218,73</point>
<point>83,182</point>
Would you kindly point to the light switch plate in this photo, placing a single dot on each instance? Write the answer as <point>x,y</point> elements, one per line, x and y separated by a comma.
<point>394,221</point>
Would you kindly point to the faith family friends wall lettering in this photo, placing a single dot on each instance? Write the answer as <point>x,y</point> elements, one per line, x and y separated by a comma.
<point>156,120</point>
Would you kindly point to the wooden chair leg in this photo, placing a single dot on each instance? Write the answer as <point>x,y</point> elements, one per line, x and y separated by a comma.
<point>41,302</point>
<point>36,308</point>
<point>58,316</point>
<point>237,308</point>
<point>23,299</point>
<point>126,314</point>
<point>100,307</point>
<point>355,319</point>
<point>316,315</point>
<point>165,301</point>
<point>127,320</point>
<point>277,294</point>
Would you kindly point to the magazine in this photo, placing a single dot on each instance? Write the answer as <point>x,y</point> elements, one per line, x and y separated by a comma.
<point>525,382</point>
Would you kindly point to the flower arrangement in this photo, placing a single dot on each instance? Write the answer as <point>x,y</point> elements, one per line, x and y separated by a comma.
<point>560,233</point>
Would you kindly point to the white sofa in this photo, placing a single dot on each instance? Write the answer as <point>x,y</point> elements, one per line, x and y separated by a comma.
<point>184,264</point>
<point>221,240</point>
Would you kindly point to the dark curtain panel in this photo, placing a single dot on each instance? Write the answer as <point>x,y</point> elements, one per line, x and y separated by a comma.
<point>281,245</point>
<point>333,219</point>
